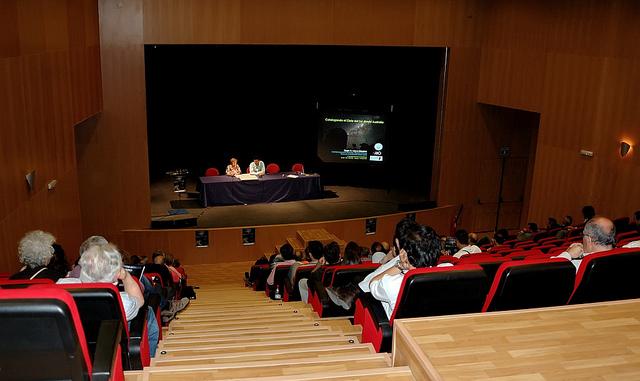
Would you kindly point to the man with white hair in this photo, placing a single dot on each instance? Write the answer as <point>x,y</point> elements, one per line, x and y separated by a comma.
<point>103,264</point>
<point>35,251</point>
<point>598,235</point>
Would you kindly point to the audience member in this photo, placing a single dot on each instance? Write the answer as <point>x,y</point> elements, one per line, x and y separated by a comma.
<point>180,269</point>
<point>636,219</point>
<point>552,223</point>
<point>288,258</point>
<point>351,254</point>
<point>103,263</point>
<point>528,232</point>
<point>598,235</point>
<point>59,261</point>
<point>485,240</point>
<point>500,236</point>
<point>35,251</point>
<point>567,221</point>
<point>379,251</point>
<point>331,257</point>
<point>158,267</point>
<point>175,274</point>
<point>93,240</point>
<point>463,245</point>
<point>400,230</point>
<point>418,247</point>
<point>313,252</point>
<point>588,212</point>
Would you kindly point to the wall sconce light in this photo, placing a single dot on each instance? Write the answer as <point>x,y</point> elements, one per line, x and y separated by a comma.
<point>624,148</point>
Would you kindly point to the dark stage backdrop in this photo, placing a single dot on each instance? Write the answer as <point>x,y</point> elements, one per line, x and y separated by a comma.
<point>207,103</point>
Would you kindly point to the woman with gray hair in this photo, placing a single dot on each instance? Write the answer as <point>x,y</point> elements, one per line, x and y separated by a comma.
<point>35,251</point>
<point>103,264</point>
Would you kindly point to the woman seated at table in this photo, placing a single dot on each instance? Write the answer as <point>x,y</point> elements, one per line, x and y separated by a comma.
<point>233,168</point>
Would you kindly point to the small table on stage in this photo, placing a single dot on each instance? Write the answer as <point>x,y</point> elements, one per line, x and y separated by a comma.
<point>228,190</point>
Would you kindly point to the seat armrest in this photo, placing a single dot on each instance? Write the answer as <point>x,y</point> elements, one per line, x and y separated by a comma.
<point>376,311</point>
<point>106,353</point>
<point>136,332</point>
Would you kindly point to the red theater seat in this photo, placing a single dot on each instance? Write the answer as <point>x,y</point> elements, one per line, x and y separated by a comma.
<point>23,283</point>
<point>626,235</point>
<point>291,291</point>
<point>297,167</point>
<point>258,276</point>
<point>282,271</point>
<point>43,339</point>
<point>627,241</point>
<point>336,276</point>
<point>608,275</point>
<point>273,168</point>
<point>531,283</point>
<point>424,292</point>
<point>212,172</point>
<point>97,302</point>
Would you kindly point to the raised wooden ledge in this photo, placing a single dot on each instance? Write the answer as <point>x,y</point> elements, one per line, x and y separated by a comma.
<point>598,340</point>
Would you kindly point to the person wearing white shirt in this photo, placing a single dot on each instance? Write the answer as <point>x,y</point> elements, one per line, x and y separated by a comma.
<point>419,246</point>
<point>598,235</point>
<point>257,167</point>
<point>462,242</point>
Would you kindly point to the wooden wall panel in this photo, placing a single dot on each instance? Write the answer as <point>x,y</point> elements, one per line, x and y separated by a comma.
<point>576,60</point>
<point>225,244</point>
<point>112,149</point>
<point>38,110</point>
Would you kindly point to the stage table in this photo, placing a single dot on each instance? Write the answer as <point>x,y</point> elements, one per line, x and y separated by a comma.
<point>228,190</point>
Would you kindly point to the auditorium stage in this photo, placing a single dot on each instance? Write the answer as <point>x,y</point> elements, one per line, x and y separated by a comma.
<point>341,202</point>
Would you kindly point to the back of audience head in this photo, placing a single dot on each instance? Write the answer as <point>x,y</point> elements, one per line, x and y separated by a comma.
<point>315,249</point>
<point>421,244</point>
<point>59,261</point>
<point>376,247</point>
<point>567,220</point>
<point>158,257</point>
<point>552,223</point>
<point>100,263</point>
<point>636,217</point>
<point>501,235</point>
<point>332,253</point>
<point>588,212</point>
<point>400,230</point>
<point>286,252</point>
<point>351,254</point>
<point>36,248</point>
<point>168,259</point>
<point>93,240</point>
<point>599,234</point>
<point>462,236</point>
<point>532,226</point>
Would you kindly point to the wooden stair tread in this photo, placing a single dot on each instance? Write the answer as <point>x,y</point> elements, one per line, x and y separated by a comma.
<point>289,353</point>
<point>263,346</point>
<point>247,332</point>
<point>192,343</point>
<point>281,367</point>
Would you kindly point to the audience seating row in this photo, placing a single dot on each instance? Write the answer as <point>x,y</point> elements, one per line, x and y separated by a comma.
<point>517,284</point>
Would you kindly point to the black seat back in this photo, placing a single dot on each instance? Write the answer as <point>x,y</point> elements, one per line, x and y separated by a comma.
<point>39,337</point>
<point>97,302</point>
<point>343,275</point>
<point>441,291</point>
<point>531,283</point>
<point>610,275</point>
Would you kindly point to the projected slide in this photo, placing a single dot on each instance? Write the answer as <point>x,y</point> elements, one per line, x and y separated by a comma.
<point>351,138</point>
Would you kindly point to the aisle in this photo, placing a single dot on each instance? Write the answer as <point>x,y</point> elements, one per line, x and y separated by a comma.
<point>232,332</point>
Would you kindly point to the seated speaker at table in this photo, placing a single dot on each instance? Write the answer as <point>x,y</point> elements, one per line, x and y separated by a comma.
<point>257,167</point>
<point>233,168</point>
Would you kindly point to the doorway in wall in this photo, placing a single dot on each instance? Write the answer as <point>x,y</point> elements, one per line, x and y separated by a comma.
<point>506,167</point>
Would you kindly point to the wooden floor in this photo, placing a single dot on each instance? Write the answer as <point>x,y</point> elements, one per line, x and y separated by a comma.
<point>598,341</point>
<point>232,332</point>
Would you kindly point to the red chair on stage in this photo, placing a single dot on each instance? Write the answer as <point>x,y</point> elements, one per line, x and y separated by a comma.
<point>297,167</point>
<point>212,172</point>
<point>273,168</point>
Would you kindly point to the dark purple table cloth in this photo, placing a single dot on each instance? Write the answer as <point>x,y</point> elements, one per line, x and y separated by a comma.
<point>227,190</point>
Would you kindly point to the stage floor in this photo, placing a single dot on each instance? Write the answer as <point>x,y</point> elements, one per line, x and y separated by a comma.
<point>342,203</point>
